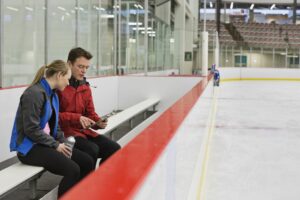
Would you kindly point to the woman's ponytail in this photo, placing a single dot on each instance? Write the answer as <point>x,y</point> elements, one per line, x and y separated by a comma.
<point>57,66</point>
<point>39,75</point>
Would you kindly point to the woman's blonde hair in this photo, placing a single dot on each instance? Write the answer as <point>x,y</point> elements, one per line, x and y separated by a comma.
<point>49,70</point>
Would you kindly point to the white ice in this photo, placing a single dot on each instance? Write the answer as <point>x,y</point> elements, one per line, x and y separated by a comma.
<point>255,150</point>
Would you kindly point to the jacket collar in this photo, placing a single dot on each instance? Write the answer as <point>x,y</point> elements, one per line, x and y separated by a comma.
<point>76,83</point>
<point>46,87</point>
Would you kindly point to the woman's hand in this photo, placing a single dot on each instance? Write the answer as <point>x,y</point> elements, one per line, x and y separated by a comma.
<point>86,122</point>
<point>64,149</point>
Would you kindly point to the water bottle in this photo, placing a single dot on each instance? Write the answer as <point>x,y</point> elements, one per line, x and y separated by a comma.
<point>70,142</point>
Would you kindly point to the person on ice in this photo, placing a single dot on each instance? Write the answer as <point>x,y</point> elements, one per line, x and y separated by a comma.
<point>216,77</point>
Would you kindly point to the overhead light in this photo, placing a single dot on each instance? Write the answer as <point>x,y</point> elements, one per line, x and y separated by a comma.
<point>141,28</point>
<point>61,8</point>
<point>80,8</point>
<point>141,7</point>
<point>44,8</point>
<point>252,6</point>
<point>231,5</point>
<point>12,8</point>
<point>135,23</point>
<point>292,56</point>
<point>68,14</point>
<point>149,32</point>
<point>211,4</point>
<point>28,8</point>
<point>106,16</point>
<point>72,11</point>
<point>132,40</point>
<point>135,5</point>
<point>172,40</point>
<point>273,6</point>
<point>97,8</point>
<point>62,18</point>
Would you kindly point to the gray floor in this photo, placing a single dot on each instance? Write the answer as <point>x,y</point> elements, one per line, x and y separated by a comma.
<point>48,181</point>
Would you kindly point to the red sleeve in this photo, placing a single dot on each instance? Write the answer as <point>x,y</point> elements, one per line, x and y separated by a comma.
<point>90,108</point>
<point>68,118</point>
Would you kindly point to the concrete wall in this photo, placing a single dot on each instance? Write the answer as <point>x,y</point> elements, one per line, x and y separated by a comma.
<point>256,60</point>
<point>186,26</point>
<point>163,12</point>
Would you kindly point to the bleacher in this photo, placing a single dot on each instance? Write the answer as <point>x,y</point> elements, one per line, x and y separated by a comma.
<point>18,174</point>
<point>258,34</point>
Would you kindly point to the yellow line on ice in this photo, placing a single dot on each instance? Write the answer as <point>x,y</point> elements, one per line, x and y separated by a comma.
<point>259,79</point>
<point>211,129</point>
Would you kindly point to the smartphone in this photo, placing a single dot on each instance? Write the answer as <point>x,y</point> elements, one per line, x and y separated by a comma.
<point>90,126</point>
<point>104,118</point>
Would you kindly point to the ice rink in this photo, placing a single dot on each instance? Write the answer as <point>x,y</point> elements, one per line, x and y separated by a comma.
<point>255,148</point>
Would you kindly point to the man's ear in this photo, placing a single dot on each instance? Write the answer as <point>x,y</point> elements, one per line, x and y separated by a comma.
<point>70,64</point>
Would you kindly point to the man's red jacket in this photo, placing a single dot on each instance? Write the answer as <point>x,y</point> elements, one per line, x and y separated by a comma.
<point>75,101</point>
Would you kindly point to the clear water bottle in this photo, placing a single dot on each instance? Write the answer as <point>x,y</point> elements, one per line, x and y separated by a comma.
<point>70,142</point>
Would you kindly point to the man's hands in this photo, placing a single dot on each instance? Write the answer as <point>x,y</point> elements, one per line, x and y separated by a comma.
<point>86,122</point>
<point>102,123</point>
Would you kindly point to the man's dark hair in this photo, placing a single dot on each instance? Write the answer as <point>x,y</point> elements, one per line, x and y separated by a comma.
<point>77,53</point>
